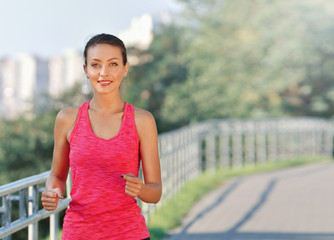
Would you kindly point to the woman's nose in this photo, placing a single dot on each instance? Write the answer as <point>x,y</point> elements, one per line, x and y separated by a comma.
<point>104,71</point>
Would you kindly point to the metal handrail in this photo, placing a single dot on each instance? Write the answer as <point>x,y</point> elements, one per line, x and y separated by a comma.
<point>30,215</point>
<point>23,183</point>
<point>25,222</point>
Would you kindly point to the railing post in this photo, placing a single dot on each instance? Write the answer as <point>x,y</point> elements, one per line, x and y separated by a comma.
<point>249,143</point>
<point>301,139</point>
<point>32,209</point>
<point>54,226</point>
<point>294,141</point>
<point>224,151</point>
<point>69,184</point>
<point>282,144</point>
<point>236,145</point>
<point>194,158</point>
<point>328,141</point>
<point>7,214</point>
<point>210,152</point>
<point>201,153</point>
<point>224,145</point>
<point>272,144</point>
<point>261,147</point>
<point>23,203</point>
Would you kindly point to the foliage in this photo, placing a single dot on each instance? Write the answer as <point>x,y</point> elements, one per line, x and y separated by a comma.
<point>27,143</point>
<point>26,147</point>
<point>255,59</point>
<point>159,68</point>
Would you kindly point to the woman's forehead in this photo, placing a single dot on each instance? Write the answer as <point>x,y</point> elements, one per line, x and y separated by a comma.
<point>104,51</point>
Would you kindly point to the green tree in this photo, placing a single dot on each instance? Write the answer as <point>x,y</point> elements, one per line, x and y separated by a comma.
<point>255,58</point>
<point>160,67</point>
<point>26,145</point>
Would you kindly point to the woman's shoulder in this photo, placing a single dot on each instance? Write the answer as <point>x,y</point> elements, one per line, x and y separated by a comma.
<point>67,113</point>
<point>144,120</point>
<point>145,124</point>
<point>67,116</point>
<point>142,115</point>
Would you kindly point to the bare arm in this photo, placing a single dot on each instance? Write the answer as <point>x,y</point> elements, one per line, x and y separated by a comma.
<point>56,182</point>
<point>151,190</point>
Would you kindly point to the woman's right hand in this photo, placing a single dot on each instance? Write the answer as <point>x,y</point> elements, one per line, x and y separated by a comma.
<point>50,198</point>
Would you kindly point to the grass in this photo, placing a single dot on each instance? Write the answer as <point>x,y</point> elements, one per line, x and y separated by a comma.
<point>170,214</point>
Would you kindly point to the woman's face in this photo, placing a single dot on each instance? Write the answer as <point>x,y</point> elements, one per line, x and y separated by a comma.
<point>105,68</point>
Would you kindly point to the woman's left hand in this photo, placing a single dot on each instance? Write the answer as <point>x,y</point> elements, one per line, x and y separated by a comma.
<point>133,185</point>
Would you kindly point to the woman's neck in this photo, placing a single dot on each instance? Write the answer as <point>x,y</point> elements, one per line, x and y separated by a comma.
<point>106,103</point>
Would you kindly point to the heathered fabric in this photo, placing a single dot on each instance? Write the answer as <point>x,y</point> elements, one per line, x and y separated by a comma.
<point>100,209</point>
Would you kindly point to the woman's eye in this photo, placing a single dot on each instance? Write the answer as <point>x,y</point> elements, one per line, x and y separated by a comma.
<point>113,64</point>
<point>95,65</point>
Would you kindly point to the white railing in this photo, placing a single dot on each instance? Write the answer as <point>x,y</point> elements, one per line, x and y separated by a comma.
<point>187,152</point>
<point>184,154</point>
<point>27,192</point>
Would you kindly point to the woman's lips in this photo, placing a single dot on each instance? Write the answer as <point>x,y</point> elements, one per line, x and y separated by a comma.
<point>104,82</point>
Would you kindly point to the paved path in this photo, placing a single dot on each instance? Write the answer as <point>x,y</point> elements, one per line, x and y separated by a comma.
<point>295,203</point>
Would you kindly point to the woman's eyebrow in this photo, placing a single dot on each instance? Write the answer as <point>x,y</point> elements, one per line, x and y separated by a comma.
<point>114,58</point>
<point>110,59</point>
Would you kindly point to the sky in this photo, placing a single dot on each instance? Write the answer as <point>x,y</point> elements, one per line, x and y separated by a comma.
<point>47,27</point>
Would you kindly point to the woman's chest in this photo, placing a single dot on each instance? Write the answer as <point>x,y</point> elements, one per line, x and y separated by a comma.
<point>116,155</point>
<point>105,126</point>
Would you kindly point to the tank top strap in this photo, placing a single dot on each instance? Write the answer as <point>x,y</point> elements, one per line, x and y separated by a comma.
<point>82,113</point>
<point>129,118</point>
<point>84,109</point>
<point>128,113</point>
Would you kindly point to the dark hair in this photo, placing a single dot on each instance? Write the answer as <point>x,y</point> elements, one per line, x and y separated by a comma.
<point>104,38</point>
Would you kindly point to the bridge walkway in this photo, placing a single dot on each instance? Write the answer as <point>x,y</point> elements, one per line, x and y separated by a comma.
<point>290,204</point>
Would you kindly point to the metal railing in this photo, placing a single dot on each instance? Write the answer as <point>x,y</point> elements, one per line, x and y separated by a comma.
<point>184,154</point>
<point>27,192</point>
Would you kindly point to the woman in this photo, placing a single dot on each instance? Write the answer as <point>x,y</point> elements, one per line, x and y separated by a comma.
<point>103,142</point>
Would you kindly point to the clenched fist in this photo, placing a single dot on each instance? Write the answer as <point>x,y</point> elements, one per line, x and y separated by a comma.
<point>50,198</point>
<point>133,185</point>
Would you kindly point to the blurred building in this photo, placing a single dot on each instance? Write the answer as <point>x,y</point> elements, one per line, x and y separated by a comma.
<point>140,33</point>
<point>25,80</point>
<point>65,70</point>
<point>138,38</point>
<point>8,80</point>
<point>21,79</point>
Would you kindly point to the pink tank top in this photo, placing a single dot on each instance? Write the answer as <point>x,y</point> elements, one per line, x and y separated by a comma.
<point>100,209</point>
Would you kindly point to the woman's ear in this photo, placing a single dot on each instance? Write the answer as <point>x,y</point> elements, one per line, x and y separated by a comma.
<point>126,70</point>
<point>85,69</point>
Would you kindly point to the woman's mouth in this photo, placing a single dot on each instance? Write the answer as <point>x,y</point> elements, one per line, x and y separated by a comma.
<point>104,82</point>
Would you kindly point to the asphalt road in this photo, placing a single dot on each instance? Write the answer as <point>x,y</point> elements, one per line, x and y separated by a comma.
<point>291,204</point>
